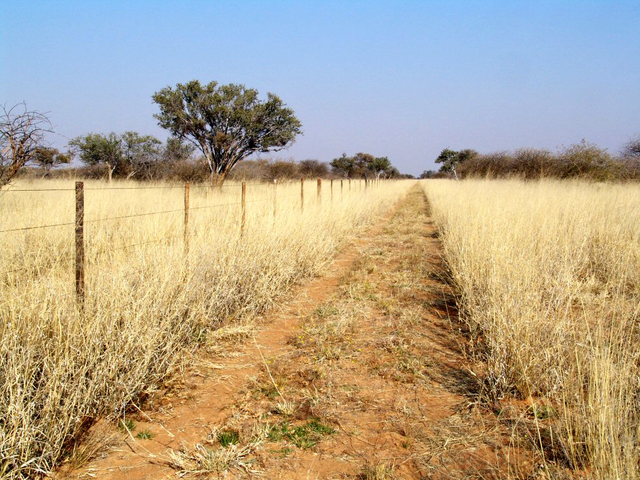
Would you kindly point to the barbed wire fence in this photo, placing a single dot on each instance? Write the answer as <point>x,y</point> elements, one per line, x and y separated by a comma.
<point>80,222</point>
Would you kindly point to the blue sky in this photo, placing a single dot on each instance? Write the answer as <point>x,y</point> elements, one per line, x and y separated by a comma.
<point>402,79</point>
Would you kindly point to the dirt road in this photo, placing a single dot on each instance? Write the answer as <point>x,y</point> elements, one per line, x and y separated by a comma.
<point>360,375</point>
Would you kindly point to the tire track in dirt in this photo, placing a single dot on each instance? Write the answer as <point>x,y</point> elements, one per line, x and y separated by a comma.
<point>360,375</point>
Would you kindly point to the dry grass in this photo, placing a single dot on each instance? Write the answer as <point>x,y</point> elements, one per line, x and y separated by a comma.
<point>376,472</point>
<point>61,366</point>
<point>548,275</point>
<point>200,460</point>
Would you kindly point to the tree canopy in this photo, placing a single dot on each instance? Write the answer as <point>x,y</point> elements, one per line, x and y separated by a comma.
<point>632,149</point>
<point>48,158</point>
<point>363,165</point>
<point>227,123</point>
<point>427,174</point>
<point>450,159</point>
<point>122,154</point>
<point>176,149</point>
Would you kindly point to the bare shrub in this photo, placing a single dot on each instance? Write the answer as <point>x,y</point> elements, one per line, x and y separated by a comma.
<point>497,164</point>
<point>313,169</point>
<point>631,149</point>
<point>22,136</point>
<point>582,160</point>
<point>586,160</point>
<point>282,169</point>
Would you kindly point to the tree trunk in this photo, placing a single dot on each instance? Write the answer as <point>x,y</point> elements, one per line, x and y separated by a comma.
<point>217,179</point>
<point>109,172</point>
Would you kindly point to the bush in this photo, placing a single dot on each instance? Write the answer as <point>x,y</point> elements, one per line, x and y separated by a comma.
<point>489,165</point>
<point>532,163</point>
<point>313,169</point>
<point>187,171</point>
<point>582,160</point>
<point>194,171</point>
<point>281,170</point>
<point>632,149</point>
<point>586,160</point>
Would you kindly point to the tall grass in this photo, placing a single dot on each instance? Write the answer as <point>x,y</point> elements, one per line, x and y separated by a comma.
<point>549,280</point>
<point>62,366</point>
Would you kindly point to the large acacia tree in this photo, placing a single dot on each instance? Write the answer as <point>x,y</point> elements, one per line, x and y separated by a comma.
<point>227,123</point>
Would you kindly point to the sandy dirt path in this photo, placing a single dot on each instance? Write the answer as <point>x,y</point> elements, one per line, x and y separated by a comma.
<point>360,375</point>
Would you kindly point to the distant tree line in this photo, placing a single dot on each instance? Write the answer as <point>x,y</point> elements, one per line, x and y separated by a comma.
<point>133,156</point>
<point>213,130</point>
<point>582,160</point>
<point>364,165</point>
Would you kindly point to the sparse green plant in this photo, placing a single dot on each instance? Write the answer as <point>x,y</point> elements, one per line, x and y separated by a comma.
<point>145,435</point>
<point>228,437</point>
<point>302,436</point>
<point>283,452</point>
<point>542,412</point>
<point>126,425</point>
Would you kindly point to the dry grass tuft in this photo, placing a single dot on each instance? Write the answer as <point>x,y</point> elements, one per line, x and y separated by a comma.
<point>94,444</point>
<point>202,460</point>
<point>380,471</point>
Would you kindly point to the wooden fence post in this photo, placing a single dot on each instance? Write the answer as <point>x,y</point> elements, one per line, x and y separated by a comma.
<point>341,188</point>
<point>331,183</point>
<point>186,219</point>
<point>275,197</point>
<point>319,190</point>
<point>302,194</point>
<point>80,257</point>
<point>243,221</point>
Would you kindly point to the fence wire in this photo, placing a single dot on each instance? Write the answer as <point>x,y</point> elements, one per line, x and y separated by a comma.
<point>267,201</point>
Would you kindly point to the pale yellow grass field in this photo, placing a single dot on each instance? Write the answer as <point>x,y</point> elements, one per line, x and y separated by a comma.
<point>146,303</point>
<point>548,275</point>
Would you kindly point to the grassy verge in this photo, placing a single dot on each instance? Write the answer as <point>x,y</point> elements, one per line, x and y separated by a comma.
<point>548,275</point>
